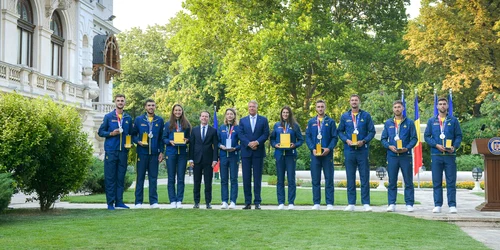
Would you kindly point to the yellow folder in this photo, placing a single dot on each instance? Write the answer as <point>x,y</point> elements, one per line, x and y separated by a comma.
<point>179,138</point>
<point>285,141</point>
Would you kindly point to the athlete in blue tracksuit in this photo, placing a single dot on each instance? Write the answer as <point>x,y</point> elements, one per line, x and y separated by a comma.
<point>148,156</point>
<point>440,129</point>
<point>403,129</point>
<point>229,158</point>
<point>357,121</point>
<point>286,157</point>
<point>115,126</point>
<point>176,154</point>
<point>321,129</point>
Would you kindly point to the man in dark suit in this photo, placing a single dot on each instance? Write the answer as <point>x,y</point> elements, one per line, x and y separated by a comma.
<point>253,132</point>
<point>203,157</point>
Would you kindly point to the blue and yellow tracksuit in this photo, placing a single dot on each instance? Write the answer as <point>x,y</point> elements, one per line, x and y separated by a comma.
<point>329,140</point>
<point>443,161</point>
<point>147,155</point>
<point>357,157</point>
<point>286,160</point>
<point>115,159</point>
<point>407,133</point>
<point>229,162</point>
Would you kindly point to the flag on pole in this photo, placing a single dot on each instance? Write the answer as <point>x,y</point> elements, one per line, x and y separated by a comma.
<point>435,103</point>
<point>450,104</point>
<point>417,150</point>
<point>216,124</point>
<point>404,102</point>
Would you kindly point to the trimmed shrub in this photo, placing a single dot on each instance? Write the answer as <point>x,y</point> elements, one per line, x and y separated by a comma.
<point>94,182</point>
<point>468,162</point>
<point>6,190</point>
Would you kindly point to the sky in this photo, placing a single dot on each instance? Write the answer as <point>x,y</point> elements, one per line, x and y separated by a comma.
<point>150,12</point>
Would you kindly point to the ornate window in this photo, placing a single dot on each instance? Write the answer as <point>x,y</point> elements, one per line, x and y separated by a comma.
<point>57,44</point>
<point>25,27</point>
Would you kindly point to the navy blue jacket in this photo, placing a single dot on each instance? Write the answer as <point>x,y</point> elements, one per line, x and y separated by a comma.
<point>168,135</point>
<point>328,132</point>
<point>407,134</point>
<point>260,134</point>
<point>452,132</point>
<point>141,126</point>
<point>110,123</point>
<point>366,129</point>
<point>295,138</point>
<point>235,141</point>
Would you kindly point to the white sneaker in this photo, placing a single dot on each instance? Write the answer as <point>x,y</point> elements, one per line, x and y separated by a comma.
<point>349,208</point>
<point>281,207</point>
<point>315,207</point>
<point>367,208</point>
<point>436,210</point>
<point>173,205</point>
<point>224,205</point>
<point>291,207</point>
<point>179,204</point>
<point>232,205</point>
<point>409,208</point>
<point>329,207</point>
<point>453,210</point>
<point>155,206</point>
<point>138,205</point>
<point>391,208</point>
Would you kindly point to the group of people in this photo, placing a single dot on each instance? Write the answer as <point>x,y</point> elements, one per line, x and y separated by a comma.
<point>202,146</point>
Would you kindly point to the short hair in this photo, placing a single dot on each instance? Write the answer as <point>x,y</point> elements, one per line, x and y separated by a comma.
<point>148,100</point>
<point>254,102</point>
<point>119,95</point>
<point>318,101</point>
<point>398,102</point>
<point>204,111</point>
<point>355,95</point>
<point>443,99</point>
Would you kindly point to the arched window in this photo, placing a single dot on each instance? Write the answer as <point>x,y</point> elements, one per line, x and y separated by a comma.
<point>25,27</point>
<point>57,44</point>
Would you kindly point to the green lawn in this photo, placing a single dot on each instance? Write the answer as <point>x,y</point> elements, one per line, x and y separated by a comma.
<point>304,196</point>
<point>224,229</point>
<point>479,194</point>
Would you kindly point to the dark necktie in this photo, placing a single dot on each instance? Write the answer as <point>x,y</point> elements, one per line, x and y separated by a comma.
<point>203,133</point>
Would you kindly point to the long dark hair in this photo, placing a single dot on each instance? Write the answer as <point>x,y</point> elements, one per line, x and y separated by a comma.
<point>291,119</point>
<point>184,122</point>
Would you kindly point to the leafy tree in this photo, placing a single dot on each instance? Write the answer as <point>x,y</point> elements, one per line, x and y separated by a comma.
<point>59,160</point>
<point>459,40</point>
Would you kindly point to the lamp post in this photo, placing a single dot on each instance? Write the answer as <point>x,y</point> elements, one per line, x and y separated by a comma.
<point>477,173</point>
<point>381,172</point>
<point>422,169</point>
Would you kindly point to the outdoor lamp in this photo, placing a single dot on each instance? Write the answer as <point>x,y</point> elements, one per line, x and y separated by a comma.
<point>423,168</point>
<point>477,173</point>
<point>380,172</point>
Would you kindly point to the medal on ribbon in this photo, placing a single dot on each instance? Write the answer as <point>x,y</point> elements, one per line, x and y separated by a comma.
<point>120,120</point>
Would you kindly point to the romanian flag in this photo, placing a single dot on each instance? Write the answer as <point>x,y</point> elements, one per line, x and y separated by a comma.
<point>417,150</point>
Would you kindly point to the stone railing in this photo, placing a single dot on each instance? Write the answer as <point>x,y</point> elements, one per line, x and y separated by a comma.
<point>103,107</point>
<point>25,80</point>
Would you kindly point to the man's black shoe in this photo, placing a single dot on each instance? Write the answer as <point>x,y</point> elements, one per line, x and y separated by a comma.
<point>247,206</point>
<point>209,206</point>
<point>196,205</point>
<point>257,206</point>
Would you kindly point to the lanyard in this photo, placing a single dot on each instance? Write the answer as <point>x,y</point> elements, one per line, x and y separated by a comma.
<point>230,131</point>
<point>178,126</point>
<point>120,120</point>
<point>355,120</point>
<point>150,124</point>
<point>396,126</point>
<point>285,128</point>
<point>442,125</point>
<point>320,124</point>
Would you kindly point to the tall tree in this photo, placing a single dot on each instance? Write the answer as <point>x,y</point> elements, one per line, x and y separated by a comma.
<point>459,38</point>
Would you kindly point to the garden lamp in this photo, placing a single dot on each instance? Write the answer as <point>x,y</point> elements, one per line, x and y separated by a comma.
<point>477,173</point>
<point>381,172</point>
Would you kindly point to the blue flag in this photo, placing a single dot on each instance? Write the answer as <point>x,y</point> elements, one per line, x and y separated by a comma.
<point>435,103</point>
<point>404,102</point>
<point>450,104</point>
<point>216,124</point>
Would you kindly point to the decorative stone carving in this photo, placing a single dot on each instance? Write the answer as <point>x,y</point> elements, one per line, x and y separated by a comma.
<point>51,5</point>
<point>90,84</point>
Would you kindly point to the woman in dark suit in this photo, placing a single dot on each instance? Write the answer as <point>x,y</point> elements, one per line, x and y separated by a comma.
<point>286,156</point>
